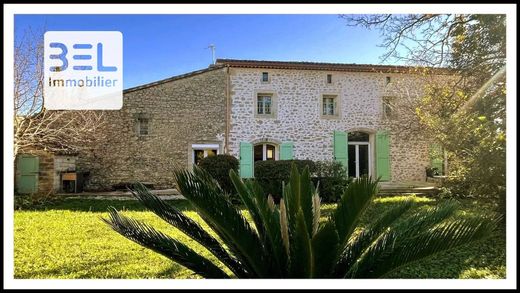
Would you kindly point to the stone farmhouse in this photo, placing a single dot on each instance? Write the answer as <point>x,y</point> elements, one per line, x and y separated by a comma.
<point>256,110</point>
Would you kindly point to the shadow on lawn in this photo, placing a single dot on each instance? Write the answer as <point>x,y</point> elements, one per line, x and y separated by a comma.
<point>83,270</point>
<point>101,205</point>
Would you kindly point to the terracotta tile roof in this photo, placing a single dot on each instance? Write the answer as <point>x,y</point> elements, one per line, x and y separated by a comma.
<point>325,66</point>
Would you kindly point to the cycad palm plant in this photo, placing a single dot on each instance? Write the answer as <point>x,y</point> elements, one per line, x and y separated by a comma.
<point>289,240</point>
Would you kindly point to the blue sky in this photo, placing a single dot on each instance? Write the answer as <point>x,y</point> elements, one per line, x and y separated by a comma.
<point>160,46</point>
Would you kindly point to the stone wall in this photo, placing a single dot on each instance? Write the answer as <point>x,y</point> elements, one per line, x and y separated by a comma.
<point>182,111</point>
<point>298,119</point>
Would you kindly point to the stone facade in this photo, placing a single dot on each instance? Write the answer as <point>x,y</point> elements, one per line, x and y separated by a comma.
<point>192,109</point>
<point>179,111</point>
<point>162,123</point>
<point>298,95</point>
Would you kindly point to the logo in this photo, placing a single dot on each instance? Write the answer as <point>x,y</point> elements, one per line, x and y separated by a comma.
<point>83,70</point>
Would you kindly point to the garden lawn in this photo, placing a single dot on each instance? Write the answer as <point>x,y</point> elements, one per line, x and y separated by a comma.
<point>67,239</point>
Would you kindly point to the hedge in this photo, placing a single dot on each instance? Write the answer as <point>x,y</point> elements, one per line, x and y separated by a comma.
<point>218,166</point>
<point>330,177</point>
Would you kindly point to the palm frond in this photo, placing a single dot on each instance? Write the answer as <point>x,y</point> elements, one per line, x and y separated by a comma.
<point>325,245</point>
<point>425,219</point>
<point>147,236</point>
<point>316,211</point>
<point>301,260</point>
<point>391,251</point>
<point>353,203</point>
<point>307,192</point>
<point>189,227</point>
<point>266,218</point>
<point>284,226</point>
<point>361,241</point>
<point>224,218</point>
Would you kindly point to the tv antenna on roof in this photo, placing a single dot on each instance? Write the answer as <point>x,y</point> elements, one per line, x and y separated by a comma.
<point>212,48</point>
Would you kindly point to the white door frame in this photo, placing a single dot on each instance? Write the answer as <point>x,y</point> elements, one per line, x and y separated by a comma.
<point>357,144</point>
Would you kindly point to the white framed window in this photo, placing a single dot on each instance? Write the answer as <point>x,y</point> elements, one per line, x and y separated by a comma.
<point>200,151</point>
<point>329,105</point>
<point>265,152</point>
<point>264,104</point>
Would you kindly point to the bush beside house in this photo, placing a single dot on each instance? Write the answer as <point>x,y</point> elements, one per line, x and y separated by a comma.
<point>330,177</point>
<point>219,166</point>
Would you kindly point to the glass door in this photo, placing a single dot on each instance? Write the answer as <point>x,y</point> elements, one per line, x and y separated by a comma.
<point>358,159</point>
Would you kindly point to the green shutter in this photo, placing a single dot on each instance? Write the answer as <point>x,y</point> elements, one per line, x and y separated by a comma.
<point>383,155</point>
<point>246,160</point>
<point>27,179</point>
<point>286,151</point>
<point>436,157</point>
<point>340,147</point>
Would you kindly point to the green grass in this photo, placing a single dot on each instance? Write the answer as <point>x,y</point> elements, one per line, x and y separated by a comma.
<point>67,239</point>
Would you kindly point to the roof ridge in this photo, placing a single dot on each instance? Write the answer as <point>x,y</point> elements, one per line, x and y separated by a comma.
<point>309,65</point>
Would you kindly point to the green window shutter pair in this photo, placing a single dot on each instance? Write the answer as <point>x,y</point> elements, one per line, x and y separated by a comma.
<point>382,152</point>
<point>246,157</point>
<point>383,155</point>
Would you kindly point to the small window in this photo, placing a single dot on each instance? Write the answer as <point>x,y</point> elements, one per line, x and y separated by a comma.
<point>265,76</point>
<point>200,151</point>
<point>388,107</point>
<point>143,126</point>
<point>264,104</point>
<point>329,105</point>
<point>329,78</point>
<point>388,80</point>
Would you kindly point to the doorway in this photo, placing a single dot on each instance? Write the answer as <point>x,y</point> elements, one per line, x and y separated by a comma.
<point>28,169</point>
<point>358,154</point>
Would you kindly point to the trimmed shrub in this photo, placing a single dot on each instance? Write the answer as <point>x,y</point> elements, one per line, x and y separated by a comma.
<point>271,175</point>
<point>330,177</point>
<point>218,166</point>
<point>280,169</point>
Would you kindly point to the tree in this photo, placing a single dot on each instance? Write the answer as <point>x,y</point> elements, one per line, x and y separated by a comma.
<point>465,113</point>
<point>290,240</point>
<point>36,128</point>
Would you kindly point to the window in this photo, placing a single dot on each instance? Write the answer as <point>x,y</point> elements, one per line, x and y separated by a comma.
<point>329,78</point>
<point>200,151</point>
<point>265,152</point>
<point>142,126</point>
<point>265,77</point>
<point>329,105</point>
<point>388,107</point>
<point>264,104</point>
